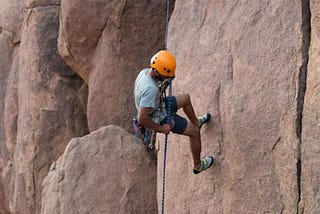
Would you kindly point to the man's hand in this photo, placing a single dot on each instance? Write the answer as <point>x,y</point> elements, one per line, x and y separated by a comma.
<point>166,128</point>
<point>145,120</point>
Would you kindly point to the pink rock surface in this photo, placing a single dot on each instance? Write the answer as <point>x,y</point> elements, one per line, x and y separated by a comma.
<point>6,52</point>
<point>42,107</point>
<point>11,19</point>
<point>310,160</point>
<point>103,172</point>
<point>253,65</point>
<point>241,62</point>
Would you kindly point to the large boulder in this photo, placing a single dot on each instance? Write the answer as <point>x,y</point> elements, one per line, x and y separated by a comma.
<point>107,47</point>
<point>103,172</point>
<point>239,60</point>
<point>310,159</point>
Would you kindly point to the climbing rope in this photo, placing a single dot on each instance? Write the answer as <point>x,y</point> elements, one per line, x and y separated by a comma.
<point>167,26</point>
<point>169,103</point>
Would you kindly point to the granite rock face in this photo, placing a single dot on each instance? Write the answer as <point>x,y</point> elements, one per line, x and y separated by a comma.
<point>244,63</point>
<point>103,172</point>
<point>42,104</point>
<point>107,47</point>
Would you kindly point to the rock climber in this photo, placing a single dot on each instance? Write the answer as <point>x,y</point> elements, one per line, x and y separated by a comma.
<point>152,108</point>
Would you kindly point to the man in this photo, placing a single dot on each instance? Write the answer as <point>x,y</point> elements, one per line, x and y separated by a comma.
<point>151,107</point>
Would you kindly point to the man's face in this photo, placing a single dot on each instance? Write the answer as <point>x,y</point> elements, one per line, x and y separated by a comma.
<point>162,78</point>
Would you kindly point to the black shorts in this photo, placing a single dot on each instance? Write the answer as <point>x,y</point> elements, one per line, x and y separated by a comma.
<point>179,124</point>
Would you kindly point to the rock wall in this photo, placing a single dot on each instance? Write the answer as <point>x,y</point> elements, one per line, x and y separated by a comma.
<point>252,64</point>
<point>45,102</point>
<point>103,172</point>
<point>43,106</point>
<point>245,62</point>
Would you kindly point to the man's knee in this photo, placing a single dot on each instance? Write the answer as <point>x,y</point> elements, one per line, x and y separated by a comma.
<point>183,99</point>
<point>192,130</point>
<point>195,131</point>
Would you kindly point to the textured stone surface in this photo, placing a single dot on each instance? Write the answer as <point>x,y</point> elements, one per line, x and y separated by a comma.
<point>310,147</point>
<point>244,61</point>
<point>5,56</point>
<point>240,61</point>
<point>10,119</point>
<point>11,18</point>
<point>11,107</point>
<point>107,47</point>
<point>40,3</point>
<point>104,172</point>
<point>43,109</point>
<point>10,23</point>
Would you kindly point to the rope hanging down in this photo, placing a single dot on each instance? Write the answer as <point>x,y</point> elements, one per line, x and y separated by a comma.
<point>167,26</point>
<point>169,103</point>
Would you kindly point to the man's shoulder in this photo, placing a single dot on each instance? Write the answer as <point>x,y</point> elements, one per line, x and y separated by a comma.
<point>145,78</point>
<point>143,71</point>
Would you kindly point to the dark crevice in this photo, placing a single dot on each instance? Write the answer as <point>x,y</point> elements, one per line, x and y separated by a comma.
<point>302,84</point>
<point>45,5</point>
<point>275,144</point>
<point>299,182</point>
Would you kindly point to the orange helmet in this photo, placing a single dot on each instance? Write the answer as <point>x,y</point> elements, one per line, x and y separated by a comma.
<point>164,62</point>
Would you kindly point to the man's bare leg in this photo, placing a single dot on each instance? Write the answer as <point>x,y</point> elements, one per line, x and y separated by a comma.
<point>195,143</point>
<point>184,102</point>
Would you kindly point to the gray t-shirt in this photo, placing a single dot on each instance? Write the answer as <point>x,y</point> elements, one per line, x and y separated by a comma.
<point>146,92</point>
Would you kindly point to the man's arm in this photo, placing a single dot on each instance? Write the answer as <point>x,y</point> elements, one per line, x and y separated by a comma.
<point>145,120</point>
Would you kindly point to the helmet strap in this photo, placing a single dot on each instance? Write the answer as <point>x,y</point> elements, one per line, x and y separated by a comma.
<point>158,76</point>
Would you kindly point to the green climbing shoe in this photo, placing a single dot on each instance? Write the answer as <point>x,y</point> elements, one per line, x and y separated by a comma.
<point>206,162</point>
<point>204,119</point>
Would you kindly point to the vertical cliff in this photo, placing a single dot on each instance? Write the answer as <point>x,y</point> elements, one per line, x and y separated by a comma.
<point>246,63</point>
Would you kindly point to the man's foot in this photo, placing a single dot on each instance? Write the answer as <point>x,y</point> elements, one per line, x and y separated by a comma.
<point>206,162</point>
<point>204,119</point>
